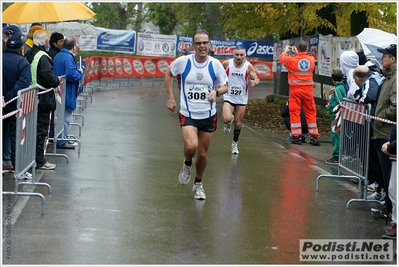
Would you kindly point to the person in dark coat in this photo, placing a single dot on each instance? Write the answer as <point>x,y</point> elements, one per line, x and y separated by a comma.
<point>16,76</point>
<point>8,31</point>
<point>42,65</point>
<point>56,42</point>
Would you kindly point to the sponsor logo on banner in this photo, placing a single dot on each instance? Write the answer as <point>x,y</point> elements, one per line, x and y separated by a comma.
<point>262,69</point>
<point>152,44</point>
<point>111,66</point>
<point>259,49</point>
<point>96,66</point>
<point>118,65</point>
<point>138,66</point>
<point>163,65</point>
<point>104,66</point>
<point>91,68</point>
<point>150,66</point>
<point>99,67</point>
<point>127,66</point>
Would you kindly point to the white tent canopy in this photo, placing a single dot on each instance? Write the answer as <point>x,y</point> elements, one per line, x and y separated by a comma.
<point>371,39</point>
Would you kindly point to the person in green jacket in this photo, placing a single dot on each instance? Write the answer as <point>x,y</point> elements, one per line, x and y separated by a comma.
<point>337,93</point>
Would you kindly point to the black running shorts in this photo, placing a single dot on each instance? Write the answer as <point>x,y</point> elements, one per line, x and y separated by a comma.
<point>208,125</point>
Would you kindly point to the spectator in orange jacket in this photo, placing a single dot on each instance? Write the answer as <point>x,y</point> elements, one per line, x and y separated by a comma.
<point>300,68</point>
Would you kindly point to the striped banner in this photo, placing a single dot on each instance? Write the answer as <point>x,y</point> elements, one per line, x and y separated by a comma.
<point>27,105</point>
<point>58,95</point>
<point>28,102</point>
<point>354,113</point>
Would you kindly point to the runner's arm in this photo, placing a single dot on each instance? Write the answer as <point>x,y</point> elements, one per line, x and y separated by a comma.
<point>253,78</point>
<point>171,103</point>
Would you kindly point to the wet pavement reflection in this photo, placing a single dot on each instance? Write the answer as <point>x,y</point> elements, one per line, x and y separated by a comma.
<point>120,201</point>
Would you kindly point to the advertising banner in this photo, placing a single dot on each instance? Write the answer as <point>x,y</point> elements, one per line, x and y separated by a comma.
<point>160,45</point>
<point>98,67</point>
<point>220,47</point>
<point>124,66</point>
<point>324,55</point>
<point>339,45</point>
<point>224,48</point>
<point>259,49</point>
<point>116,41</point>
<point>87,42</point>
<point>313,49</point>
<point>183,42</point>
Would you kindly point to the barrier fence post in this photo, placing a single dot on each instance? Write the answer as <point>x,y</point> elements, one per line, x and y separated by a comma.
<point>59,115</point>
<point>25,143</point>
<point>355,135</point>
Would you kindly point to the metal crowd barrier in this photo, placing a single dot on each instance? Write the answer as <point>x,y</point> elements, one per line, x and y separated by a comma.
<point>80,99</point>
<point>59,115</point>
<point>354,147</point>
<point>25,144</point>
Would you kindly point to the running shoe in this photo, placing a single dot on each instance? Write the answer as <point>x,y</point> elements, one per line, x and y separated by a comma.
<point>234,148</point>
<point>372,187</point>
<point>333,160</point>
<point>47,166</point>
<point>185,173</point>
<point>199,192</point>
<point>227,127</point>
<point>25,176</point>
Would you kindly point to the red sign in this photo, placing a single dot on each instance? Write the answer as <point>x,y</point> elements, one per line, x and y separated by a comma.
<point>98,67</point>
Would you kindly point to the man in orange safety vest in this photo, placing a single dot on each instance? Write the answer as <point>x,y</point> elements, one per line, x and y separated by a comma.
<point>300,68</point>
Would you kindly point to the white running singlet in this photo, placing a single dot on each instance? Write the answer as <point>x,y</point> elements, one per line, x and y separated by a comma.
<point>238,83</point>
<point>196,81</point>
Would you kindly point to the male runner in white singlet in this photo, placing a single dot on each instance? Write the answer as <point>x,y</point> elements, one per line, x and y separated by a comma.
<point>240,74</point>
<point>203,78</point>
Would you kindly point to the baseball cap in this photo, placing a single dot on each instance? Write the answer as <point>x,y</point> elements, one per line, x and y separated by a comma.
<point>11,29</point>
<point>389,50</point>
<point>15,41</point>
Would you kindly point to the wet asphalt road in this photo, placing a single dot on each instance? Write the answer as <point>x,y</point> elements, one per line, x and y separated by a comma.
<point>120,202</point>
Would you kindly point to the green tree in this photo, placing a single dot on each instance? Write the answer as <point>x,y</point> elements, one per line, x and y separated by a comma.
<point>4,5</point>
<point>162,15</point>
<point>193,16</point>
<point>257,20</point>
<point>117,15</point>
<point>185,18</point>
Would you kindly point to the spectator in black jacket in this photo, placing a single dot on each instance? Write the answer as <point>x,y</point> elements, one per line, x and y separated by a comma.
<point>16,76</point>
<point>42,65</point>
<point>56,42</point>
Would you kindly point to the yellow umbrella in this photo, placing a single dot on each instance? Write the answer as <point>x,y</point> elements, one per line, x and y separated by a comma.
<point>29,12</point>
